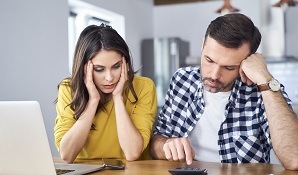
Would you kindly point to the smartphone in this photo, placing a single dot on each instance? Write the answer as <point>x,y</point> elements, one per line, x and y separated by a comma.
<point>113,164</point>
<point>188,171</point>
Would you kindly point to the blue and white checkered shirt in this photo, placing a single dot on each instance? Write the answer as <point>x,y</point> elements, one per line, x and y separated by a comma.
<point>244,134</point>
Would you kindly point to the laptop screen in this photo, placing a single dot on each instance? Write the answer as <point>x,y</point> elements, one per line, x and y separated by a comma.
<point>25,149</point>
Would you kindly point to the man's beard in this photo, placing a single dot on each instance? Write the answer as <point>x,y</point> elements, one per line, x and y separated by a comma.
<point>219,89</point>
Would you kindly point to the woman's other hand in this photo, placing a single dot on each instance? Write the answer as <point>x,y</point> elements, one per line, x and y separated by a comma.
<point>88,80</point>
<point>123,78</point>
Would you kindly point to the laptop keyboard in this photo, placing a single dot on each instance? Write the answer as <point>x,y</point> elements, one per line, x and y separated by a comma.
<point>60,171</point>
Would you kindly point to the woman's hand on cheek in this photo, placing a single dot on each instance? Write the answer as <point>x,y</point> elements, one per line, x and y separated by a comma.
<point>123,78</point>
<point>88,80</point>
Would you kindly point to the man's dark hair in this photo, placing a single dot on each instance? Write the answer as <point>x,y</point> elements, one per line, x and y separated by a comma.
<point>233,30</point>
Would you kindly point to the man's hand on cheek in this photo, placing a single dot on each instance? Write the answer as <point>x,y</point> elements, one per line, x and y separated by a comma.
<point>253,70</point>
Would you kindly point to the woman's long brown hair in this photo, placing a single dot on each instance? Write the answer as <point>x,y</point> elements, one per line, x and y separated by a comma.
<point>92,40</point>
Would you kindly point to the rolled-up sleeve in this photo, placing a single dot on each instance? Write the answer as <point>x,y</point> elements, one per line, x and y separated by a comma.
<point>144,110</point>
<point>64,120</point>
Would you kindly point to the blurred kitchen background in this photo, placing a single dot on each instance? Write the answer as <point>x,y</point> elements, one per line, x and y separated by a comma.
<point>38,36</point>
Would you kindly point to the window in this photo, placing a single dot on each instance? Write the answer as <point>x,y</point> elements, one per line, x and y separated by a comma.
<point>82,15</point>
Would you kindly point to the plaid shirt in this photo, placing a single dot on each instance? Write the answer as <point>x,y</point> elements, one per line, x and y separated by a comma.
<point>244,134</point>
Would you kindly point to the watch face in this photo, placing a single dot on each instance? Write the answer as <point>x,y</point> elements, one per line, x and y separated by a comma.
<point>274,85</point>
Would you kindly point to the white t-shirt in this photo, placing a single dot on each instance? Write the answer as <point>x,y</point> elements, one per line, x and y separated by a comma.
<point>204,137</point>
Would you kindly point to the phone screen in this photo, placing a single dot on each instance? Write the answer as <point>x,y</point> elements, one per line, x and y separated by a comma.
<point>113,164</point>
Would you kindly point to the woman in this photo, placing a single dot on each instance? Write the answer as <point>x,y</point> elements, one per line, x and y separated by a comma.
<point>103,109</point>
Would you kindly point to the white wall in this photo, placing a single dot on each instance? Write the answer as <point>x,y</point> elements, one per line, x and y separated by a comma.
<point>34,47</point>
<point>33,56</point>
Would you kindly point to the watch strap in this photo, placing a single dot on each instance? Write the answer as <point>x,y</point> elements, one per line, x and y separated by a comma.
<point>263,87</point>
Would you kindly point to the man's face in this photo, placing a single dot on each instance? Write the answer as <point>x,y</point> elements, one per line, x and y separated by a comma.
<point>220,65</point>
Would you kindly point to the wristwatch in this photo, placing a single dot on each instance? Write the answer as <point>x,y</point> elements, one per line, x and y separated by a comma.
<point>272,85</point>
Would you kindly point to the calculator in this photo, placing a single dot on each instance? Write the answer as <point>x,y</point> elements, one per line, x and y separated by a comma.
<point>188,171</point>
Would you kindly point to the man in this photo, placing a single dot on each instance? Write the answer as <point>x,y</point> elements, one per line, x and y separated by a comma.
<point>230,109</point>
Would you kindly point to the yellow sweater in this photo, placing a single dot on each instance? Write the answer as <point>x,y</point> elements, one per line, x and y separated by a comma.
<point>103,141</point>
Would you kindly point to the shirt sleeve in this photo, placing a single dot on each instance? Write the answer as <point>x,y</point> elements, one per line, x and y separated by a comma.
<point>64,120</point>
<point>144,111</point>
<point>164,120</point>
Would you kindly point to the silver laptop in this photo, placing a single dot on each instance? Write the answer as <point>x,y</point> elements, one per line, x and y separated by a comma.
<point>24,146</point>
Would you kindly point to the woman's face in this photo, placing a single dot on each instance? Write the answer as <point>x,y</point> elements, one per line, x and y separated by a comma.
<point>106,70</point>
